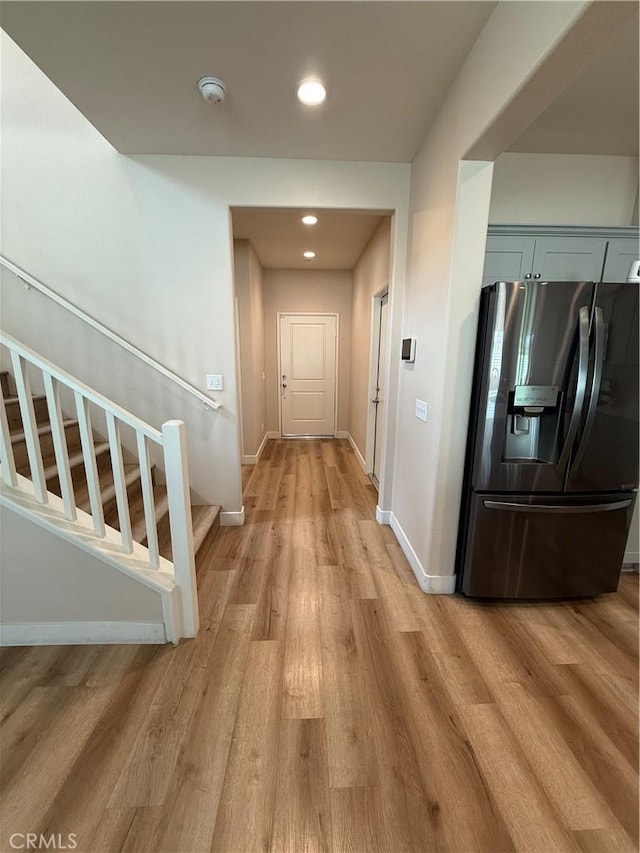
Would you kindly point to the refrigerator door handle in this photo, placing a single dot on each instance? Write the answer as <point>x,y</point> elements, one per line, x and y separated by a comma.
<point>557,508</point>
<point>581,385</point>
<point>595,390</point>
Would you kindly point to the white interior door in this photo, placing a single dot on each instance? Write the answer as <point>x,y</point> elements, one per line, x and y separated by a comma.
<point>308,347</point>
<point>378,436</point>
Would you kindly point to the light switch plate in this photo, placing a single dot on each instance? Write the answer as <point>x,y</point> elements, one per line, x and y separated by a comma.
<point>421,410</point>
<point>215,382</point>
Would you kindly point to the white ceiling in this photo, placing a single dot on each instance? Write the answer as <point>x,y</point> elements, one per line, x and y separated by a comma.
<point>598,112</point>
<point>279,237</point>
<point>132,69</point>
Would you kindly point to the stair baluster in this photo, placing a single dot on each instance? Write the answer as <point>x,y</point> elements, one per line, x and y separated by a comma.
<point>90,463</point>
<point>60,446</point>
<point>9,473</point>
<point>148,501</point>
<point>30,427</point>
<point>117,464</point>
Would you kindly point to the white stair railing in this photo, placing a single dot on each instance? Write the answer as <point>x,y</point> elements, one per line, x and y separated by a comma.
<point>172,440</point>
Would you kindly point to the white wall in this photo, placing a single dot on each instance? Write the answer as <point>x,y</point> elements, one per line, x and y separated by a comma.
<point>145,244</point>
<point>307,292</point>
<point>370,275</point>
<point>81,589</point>
<point>506,81</point>
<point>248,286</point>
<point>563,189</point>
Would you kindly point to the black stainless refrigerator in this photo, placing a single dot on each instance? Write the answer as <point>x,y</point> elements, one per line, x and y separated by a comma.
<point>552,450</point>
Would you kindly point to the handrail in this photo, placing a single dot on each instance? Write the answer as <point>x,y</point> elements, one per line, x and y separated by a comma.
<point>76,385</point>
<point>31,281</point>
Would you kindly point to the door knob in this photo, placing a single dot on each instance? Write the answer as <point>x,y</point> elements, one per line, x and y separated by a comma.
<point>284,384</point>
<point>537,275</point>
<point>375,400</point>
<point>528,275</point>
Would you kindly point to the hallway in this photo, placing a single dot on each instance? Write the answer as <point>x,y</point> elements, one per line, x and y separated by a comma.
<point>328,704</point>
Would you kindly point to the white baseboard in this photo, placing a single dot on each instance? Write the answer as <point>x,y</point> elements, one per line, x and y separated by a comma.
<point>342,433</point>
<point>273,434</point>
<point>84,633</point>
<point>631,560</point>
<point>232,519</point>
<point>383,516</point>
<point>253,460</point>
<point>359,456</point>
<point>432,584</point>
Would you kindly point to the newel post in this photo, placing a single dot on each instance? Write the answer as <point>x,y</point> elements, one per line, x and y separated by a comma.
<point>175,465</point>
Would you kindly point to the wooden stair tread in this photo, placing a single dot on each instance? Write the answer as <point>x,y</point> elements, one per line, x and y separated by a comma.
<point>107,486</point>
<point>75,458</point>
<point>203,519</point>
<point>15,399</point>
<point>138,524</point>
<point>44,429</point>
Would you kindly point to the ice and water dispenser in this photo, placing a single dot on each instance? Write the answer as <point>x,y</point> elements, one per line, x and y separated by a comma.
<point>532,424</point>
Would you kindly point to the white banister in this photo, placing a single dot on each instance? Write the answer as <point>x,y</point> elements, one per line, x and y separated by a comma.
<point>177,477</point>
<point>60,446</point>
<point>70,381</point>
<point>31,281</point>
<point>29,426</point>
<point>90,463</point>
<point>122,499</point>
<point>147,501</point>
<point>9,473</point>
<point>176,580</point>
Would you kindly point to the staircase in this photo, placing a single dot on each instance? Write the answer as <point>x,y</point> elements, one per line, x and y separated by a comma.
<point>204,518</point>
<point>69,467</point>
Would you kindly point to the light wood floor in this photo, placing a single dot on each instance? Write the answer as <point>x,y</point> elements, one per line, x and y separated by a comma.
<point>328,704</point>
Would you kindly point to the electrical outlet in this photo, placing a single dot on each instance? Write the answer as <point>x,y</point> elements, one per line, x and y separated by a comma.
<point>215,382</point>
<point>421,410</point>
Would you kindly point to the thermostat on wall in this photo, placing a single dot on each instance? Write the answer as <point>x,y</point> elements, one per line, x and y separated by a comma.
<point>408,349</point>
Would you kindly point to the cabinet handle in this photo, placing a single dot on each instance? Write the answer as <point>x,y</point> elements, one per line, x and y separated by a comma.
<point>537,275</point>
<point>528,275</point>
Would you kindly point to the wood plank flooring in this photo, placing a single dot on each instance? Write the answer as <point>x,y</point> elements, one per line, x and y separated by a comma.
<point>327,704</point>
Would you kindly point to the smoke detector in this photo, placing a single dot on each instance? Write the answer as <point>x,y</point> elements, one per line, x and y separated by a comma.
<point>212,90</point>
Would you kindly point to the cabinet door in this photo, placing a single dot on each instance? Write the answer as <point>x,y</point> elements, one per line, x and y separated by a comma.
<point>622,252</point>
<point>569,258</point>
<point>507,259</point>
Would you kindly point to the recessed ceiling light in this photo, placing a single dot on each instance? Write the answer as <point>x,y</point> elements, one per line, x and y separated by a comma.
<point>310,219</point>
<point>308,255</point>
<point>311,92</point>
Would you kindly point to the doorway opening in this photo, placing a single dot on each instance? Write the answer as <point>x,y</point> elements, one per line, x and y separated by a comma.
<point>305,325</point>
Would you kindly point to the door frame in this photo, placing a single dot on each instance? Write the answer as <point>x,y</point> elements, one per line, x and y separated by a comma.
<point>337,357</point>
<point>376,305</point>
